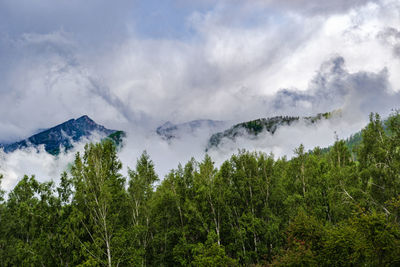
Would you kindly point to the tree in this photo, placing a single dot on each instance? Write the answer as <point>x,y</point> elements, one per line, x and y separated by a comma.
<point>377,170</point>
<point>304,240</point>
<point>140,192</point>
<point>211,254</point>
<point>98,202</point>
<point>340,155</point>
<point>300,156</point>
<point>207,196</point>
<point>1,190</point>
<point>29,219</point>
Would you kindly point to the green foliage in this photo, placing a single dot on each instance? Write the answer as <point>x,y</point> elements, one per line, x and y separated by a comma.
<point>1,191</point>
<point>140,191</point>
<point>117,138</point>
<point>319,116</point>
<point>98,201</point>
<point>211,254</point>
<point>252,128</point>
<point>320,208</point>
<point>255,127</point>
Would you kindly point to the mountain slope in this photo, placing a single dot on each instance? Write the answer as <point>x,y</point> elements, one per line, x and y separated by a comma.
<point>255,127</point>
<point>170,131</point>
<point>63,135</point>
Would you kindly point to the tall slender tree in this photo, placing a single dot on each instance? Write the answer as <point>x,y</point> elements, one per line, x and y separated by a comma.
<point>98,200</point>
<point>140,191</point>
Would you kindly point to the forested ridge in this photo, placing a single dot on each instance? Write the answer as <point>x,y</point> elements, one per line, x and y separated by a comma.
<point>319,208</point>
<point>258,126</point>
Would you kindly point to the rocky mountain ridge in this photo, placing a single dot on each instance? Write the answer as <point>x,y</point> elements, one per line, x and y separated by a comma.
<point>62,135</point>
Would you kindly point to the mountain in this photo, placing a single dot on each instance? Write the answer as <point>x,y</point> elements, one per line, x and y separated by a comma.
<point>170,131</point>
<point>255,127</point>
<point>64,134</point>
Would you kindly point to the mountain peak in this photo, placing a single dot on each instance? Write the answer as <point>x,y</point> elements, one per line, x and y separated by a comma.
<point>62,135</point>
<point>85,118</point>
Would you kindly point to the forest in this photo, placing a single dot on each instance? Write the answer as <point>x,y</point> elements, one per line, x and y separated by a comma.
<point>325,207</point>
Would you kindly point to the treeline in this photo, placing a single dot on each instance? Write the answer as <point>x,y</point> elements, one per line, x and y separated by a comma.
<point>317,209</point>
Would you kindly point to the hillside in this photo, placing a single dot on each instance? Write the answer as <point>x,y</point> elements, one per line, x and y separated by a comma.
<point>169,131</point>
<point>255,127</point>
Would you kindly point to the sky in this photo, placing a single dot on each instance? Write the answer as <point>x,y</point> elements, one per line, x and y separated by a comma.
<point>133,65</point>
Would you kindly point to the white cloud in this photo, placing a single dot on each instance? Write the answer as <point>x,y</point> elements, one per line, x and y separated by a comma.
<point>36,161</point>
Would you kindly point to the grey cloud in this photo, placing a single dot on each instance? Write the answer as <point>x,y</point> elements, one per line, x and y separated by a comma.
<point>333,87</point>
<point>290,98</point>
<point>91,21</point>
<point>43,83</point>
<point>317,7</point>
<point>391,37</point>
<point>309,7</point>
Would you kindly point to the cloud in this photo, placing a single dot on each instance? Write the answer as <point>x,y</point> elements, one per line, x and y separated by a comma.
<point>333,87</point>
<point>307,7</point>
<point>315,7</point>
<point>352,96</point>
<point>226,64</point>
<point>391,37</point>
<point>136,64</point>
<point>46,85</point>
<point>287,138</point>
<point>92,21</point>
<point>36,161</point>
